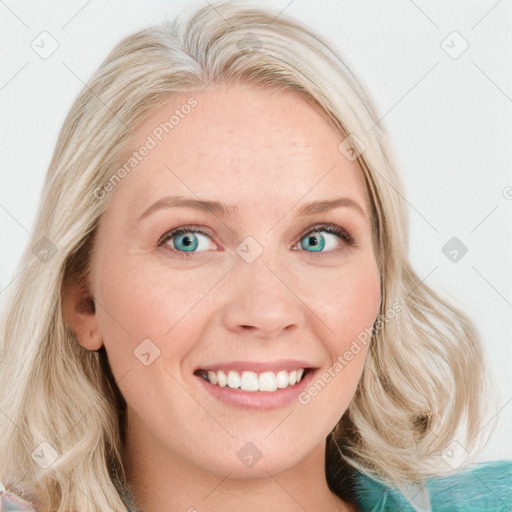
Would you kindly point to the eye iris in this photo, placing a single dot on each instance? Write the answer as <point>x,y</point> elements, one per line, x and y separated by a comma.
<point>189,241</point>
<point>314,239</point>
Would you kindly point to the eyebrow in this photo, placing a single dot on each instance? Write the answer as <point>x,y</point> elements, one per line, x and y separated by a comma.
<point>230,211</point>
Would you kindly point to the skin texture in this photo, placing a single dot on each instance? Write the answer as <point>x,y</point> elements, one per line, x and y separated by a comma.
<point>268,153</point>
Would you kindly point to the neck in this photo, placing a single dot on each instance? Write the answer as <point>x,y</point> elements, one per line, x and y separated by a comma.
<point>175,484</point>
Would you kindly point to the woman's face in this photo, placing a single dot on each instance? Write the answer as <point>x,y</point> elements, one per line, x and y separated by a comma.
<point>256,289</point>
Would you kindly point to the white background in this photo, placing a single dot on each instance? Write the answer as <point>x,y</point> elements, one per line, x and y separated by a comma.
<point>450,121</point>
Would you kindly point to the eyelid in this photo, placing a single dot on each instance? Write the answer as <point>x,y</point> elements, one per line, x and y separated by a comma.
<point>185,228</point>
<point>329,227</point>
<point>332,228</point>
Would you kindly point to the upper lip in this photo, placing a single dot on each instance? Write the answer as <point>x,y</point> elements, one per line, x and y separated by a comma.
<point>258,366</point>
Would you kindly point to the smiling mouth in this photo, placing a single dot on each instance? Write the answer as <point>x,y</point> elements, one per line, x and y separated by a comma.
<point>253,381</point>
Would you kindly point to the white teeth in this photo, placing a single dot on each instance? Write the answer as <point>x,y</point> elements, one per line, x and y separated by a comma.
<point>233,380</point>
<point>282,379</point>
<point>251,381</point>
<point>222,380</point>
<point>267,381</point>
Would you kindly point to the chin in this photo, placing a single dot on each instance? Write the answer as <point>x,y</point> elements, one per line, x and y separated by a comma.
<point>255,460</point>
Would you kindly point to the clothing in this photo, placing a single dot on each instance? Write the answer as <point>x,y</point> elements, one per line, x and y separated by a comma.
<point>11,502</point>
<point>486,487</point>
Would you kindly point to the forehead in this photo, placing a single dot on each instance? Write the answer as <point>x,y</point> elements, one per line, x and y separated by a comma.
<point>242,145</point>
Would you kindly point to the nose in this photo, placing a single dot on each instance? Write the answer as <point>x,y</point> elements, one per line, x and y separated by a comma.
<point>261,300</point>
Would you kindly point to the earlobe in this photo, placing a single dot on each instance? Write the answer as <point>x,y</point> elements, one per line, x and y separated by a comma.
<point>79,313</point>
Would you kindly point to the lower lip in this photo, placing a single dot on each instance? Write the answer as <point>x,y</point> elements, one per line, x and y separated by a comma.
<point>260,400</point>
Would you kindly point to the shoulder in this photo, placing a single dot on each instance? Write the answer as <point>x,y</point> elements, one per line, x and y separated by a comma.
<point>486,486</point>
<point>11,501</point>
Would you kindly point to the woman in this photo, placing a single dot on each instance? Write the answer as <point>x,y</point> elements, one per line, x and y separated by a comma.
<point>216,310</point>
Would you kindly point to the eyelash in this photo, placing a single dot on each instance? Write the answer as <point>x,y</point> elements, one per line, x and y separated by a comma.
<point>327,227</point>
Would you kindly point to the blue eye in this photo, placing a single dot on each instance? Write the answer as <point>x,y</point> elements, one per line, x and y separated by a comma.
<point>185,241</point>
<point>316,241</point>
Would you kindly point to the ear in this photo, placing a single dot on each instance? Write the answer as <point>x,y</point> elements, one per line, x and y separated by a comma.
<point>79,313</point>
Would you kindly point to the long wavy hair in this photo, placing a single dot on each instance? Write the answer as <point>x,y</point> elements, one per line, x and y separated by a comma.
<point>421,386</point>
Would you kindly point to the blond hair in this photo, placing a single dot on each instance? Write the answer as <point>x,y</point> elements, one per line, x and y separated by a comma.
<point>421,386</point>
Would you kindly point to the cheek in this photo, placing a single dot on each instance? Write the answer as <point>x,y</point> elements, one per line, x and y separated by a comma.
<point>348,303</point>
<point>357,300</point>
<point>349,309</point>
<point>136,303</point>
